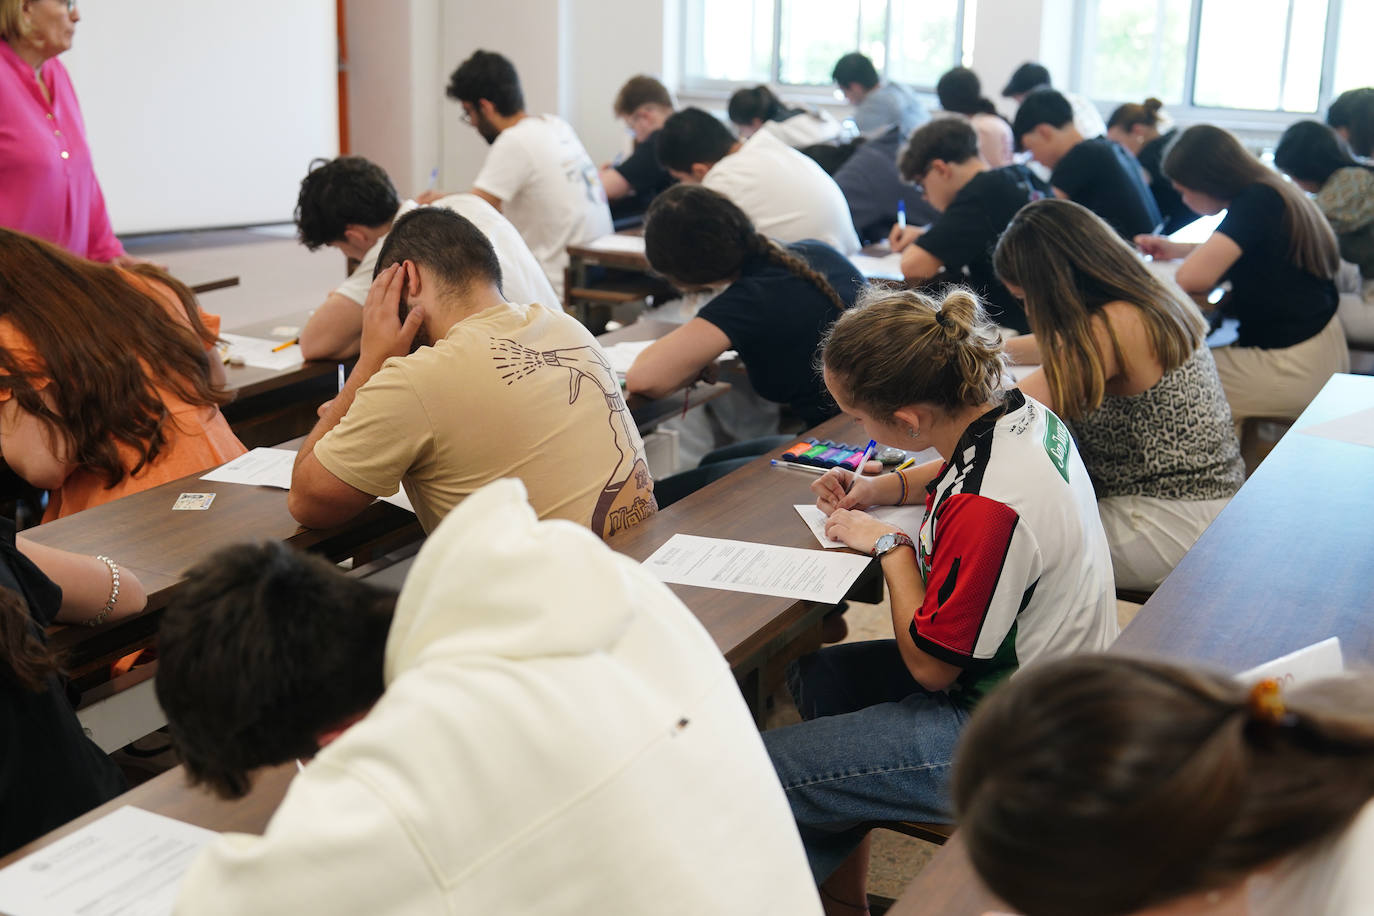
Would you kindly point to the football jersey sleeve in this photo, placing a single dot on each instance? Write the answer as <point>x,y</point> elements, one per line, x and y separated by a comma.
<point>981,570</point>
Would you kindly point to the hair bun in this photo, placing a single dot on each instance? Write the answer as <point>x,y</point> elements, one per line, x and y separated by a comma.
<point>1153,105</point>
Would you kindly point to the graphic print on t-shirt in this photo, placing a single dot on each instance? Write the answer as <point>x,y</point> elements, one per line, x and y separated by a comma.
<point>628,497</point>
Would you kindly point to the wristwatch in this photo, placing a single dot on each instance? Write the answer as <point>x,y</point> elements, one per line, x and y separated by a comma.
<point>890,542</point>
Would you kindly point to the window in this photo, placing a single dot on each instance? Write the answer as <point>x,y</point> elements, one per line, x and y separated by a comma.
<point>1256,55</point>
<point>796,42</point>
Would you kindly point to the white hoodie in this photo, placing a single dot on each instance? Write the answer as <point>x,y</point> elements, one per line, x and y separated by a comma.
<point>558,735</point>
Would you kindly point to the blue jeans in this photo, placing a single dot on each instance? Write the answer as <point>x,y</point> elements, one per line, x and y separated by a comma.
<point>876,746</point>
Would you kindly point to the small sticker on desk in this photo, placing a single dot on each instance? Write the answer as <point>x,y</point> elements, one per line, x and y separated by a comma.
<point>285,330</point>
<point>193,501</point>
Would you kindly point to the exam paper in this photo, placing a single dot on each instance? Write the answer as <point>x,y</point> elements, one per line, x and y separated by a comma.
<point>1316,662</point>
<point>127,863</point>
<point>887,267</point>
<point>630,244</point>
<point>907,518</point>
<point>623,354</point>
<point>1356,428</point>
<point>761,569</point>
<point>262,467</point>
<point>257,352</point>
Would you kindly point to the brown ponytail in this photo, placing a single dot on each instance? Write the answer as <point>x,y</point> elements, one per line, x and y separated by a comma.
<point>25,659</point>
<point>1105,785</point>
<point>899,347</point>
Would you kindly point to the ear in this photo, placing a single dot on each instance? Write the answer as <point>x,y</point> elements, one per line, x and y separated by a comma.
<point>913,416</point>
<point>487,109</point>
<point>699,170</point>
<point>413,282</point>
<point>356,235</point>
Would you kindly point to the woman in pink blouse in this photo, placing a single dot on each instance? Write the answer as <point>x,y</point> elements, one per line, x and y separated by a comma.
<point>47,180</point>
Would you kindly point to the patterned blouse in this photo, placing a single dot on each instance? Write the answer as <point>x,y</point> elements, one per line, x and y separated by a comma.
<point>1347,201</point>
<point>1173,441</point>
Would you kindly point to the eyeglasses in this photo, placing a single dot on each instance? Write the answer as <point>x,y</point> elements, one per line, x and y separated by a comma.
<point>69,4</point>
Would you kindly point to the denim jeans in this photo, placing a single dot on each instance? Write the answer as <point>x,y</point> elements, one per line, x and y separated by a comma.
<point>876,746</point>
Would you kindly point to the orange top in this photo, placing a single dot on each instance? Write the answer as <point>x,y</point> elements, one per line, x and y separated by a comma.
<point>198,437</point>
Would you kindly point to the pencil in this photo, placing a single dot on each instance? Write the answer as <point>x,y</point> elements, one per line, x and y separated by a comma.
<point>282,346</point>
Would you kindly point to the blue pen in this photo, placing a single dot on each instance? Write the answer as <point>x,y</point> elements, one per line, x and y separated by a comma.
<point>434,180</point>
<point>901,214</point>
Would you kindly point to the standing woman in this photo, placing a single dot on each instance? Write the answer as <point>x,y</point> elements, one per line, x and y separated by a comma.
<point>1010,567</point>
<point>960,91</point>
<point>1279,254</point>
<point>1140,129</point>
<point>106,388</point>
<point>48,186</point>
<point>1124,359</point>
<point>1318,162</point>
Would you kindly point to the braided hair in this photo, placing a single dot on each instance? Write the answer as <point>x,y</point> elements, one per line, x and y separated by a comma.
<point>697,237</point>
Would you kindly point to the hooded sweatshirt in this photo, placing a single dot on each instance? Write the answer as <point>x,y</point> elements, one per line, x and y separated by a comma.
<point>558,735</point>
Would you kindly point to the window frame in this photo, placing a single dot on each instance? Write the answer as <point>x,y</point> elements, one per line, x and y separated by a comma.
<point>1234,118</point>
<point>696,85</point>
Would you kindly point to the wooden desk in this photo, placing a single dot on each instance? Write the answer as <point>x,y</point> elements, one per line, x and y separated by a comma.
<point>632,279</point>
<point>1285,565</point>
<point>649,412</point>
<point>210,286</point>
<point>169,795</point>
<point>273,405</point>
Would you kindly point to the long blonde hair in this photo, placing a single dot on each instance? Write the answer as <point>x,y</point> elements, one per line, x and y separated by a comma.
<point>898,347</point>
<point>1208,159</point>
<point>1070,264</point>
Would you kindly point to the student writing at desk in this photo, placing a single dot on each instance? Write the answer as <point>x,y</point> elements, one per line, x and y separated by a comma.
<point>1281,258</point>
<point>536,725</point>
<point>52,772</point>
<point>643,103</point>
<point>1124,359</point>
<point>109,379</point>
<point>1171,792</point>
<point>349,204</point>
<point>495,389</point>
<point>1010,567</point>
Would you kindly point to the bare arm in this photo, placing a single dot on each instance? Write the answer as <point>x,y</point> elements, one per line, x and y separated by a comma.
<point>36,450</point>
<point>1024,350</point>
<point>676,359</point>
<point>919,265</point>
<point>489,198</point>
<point>85,582</point>
<point>615,184</point>
<point>1203,269</point>
<point>333,330</point>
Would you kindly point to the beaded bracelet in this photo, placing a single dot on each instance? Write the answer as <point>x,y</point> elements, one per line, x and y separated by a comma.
<point>901,479</point>
<point>98,619</point>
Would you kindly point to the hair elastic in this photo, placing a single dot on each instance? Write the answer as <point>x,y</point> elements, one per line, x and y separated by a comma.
<point>941,318</point>
<point>1266,705</point>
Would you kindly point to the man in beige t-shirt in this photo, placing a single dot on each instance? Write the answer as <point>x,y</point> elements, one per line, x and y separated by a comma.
<point>501,390</point>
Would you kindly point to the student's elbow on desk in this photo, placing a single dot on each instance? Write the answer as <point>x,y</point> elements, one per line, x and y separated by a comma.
<point>919,265</point>
<point>318,499</point>
<point>334,329</point>
<point>643,380</point>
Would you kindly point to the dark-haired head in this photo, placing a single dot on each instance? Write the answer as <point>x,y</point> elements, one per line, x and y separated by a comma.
<point>959,90</point>
<point>897,348</point>
<point>854,68</point>
<point>1103,785</point>
<point>487,75</point>
<point>449,246</point>
<point>1027,78</point>
<point>697,237</point>
<point>1352,116</point>
<point>748,106</point>
<point>693,137</point>
<point>338,193</point>
<point>264,650</point>
<point>1043,106</point>
<point>1309,152</point>
<point>950,140</point>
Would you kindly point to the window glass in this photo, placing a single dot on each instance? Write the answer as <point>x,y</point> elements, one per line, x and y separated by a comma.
<point>815,34</point>
<point>730,40</point>
<point>1354,62</point>
<point>1137,50</point>
<point>924,41</point>
<point>1248,57</point>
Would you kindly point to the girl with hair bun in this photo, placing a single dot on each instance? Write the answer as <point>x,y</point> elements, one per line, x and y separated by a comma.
<point>753,110</point>
<point>1102,786</point>
<point>1010,567</point>
<point>1145,131</point>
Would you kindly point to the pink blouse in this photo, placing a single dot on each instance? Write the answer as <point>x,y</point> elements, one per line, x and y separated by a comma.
<point>47,180</point>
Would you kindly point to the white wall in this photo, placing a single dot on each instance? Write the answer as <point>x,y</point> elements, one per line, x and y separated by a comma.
<point>205,114</point>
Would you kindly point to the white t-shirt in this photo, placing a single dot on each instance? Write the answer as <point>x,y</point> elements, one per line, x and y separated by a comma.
<point>522,279</point>
<point>549,189</point>
<point>805,128</point>
<point>1333,879</point>
<point>784,193</point>
<point>1086,117</point>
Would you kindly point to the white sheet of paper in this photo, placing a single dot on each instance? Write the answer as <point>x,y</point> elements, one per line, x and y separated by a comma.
<point>887,267</point>
<point>1314,663</point>
<point>1355,428</point>
<point>127,863</point>
<point>262,467</point>
<point>399,498</point>
<point>760,569</point>
<point>907,518</point>
<point>622,355</point>
<point>257,352</point>
<point>631,244</point>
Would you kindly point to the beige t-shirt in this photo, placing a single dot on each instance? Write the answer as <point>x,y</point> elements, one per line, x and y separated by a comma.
<point>513,391</point>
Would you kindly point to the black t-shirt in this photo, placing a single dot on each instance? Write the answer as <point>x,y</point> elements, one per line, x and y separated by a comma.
<point>646,176</point>
<point>1172,209</point>
<point>50,772</point>
<point>776,319</point>
<point>965,235</point>
<point>1103,177</point>
<point>1278,303</point>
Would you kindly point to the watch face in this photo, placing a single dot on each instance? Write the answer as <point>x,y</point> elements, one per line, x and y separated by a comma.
<point>884,544</point>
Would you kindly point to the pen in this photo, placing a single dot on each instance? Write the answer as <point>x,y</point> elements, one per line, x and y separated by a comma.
<point>282,346</point>
<point>901,214</point>
<point>792,465</point>
<point>341,378</point>
<point>433,179</point>
<point>859,468</point>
